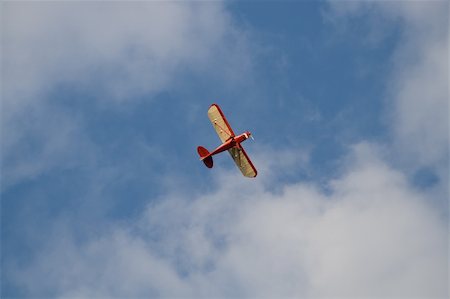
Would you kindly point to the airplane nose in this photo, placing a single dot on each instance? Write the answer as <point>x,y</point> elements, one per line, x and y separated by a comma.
<point>250,135</point>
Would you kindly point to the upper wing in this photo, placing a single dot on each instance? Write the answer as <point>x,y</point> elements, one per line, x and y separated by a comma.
<point>243,161</point>
<point>220,123</point>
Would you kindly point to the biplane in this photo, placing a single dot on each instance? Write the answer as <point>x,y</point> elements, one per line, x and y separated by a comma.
<point>230,143</point>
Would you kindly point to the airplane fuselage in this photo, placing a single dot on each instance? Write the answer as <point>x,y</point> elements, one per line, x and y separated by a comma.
<point>230,143</point>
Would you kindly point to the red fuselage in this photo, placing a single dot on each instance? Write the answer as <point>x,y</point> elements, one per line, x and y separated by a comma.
<point>230,143</point>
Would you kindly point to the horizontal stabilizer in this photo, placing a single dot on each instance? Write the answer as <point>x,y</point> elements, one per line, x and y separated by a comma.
<point>205,157</point>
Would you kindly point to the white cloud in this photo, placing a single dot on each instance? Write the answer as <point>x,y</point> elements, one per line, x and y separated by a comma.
<point>418,85</point>
<point>109,52</point>
<point>372,236</point>
<point>421,104</point>
<point>417,94</point>
<point>123,48</point>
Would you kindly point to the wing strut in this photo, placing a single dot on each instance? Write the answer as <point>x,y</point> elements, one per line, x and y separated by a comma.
<point>220,123</point>
<point>224,130</point>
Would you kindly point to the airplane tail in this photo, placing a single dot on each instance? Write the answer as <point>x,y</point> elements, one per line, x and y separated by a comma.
<point>205,157</point>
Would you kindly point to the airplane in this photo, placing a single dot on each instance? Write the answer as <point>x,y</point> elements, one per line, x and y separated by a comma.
<point>230,143</point>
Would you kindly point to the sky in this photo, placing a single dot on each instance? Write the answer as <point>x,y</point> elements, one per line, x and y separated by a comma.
<point>104,103</point>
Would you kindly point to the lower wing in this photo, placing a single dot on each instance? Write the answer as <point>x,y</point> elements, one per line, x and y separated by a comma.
<point>243,161</point>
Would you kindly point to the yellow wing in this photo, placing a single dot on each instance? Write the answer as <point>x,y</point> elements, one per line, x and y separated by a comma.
<point>243,161</point>
<point>220,123</point>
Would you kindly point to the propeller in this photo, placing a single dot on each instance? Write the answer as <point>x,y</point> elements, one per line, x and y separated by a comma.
<point>251,136</point>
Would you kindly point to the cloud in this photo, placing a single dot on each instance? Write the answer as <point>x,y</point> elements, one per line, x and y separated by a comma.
<point>372,236</point>
<point>125,49</point>
<point>60,57</point>
<point>416,96</point>
<point>417,88</point>
<point>420,89</point>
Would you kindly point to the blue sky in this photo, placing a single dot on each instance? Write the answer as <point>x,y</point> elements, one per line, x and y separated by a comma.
<point>104,104</point>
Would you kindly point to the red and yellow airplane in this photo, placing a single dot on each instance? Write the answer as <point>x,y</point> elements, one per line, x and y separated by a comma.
<point>230,143</point>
